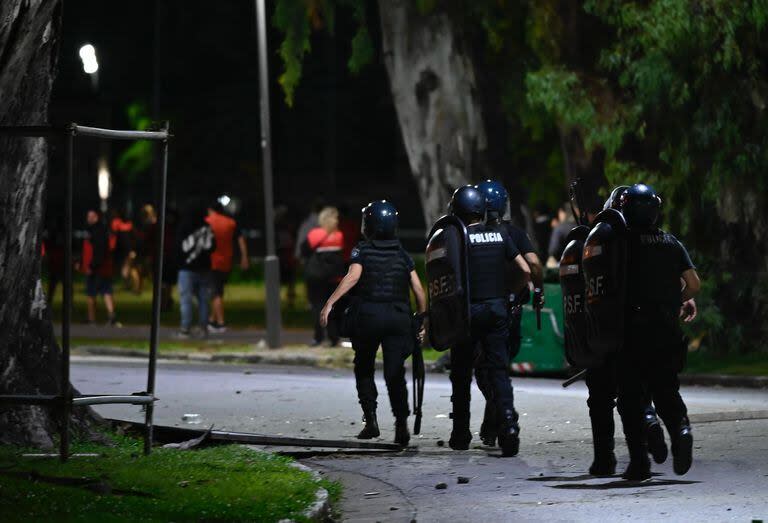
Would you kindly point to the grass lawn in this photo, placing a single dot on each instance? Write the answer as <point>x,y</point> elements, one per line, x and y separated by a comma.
<point>223,483</point>
<point>209,345</point>
<point>244,306</point>
<point>732,364</point>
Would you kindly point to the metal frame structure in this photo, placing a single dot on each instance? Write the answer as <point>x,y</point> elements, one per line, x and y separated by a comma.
<point>65,399</point>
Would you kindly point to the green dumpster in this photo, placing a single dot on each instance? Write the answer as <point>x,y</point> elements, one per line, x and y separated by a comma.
<point>541,351</point>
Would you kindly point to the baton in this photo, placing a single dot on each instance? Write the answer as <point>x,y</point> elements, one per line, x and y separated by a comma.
<point>418,387</point>
<point>576,377</point>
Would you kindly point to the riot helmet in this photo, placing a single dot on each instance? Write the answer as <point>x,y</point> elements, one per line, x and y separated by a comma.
<point>468,204</point>
<point>640,205</point>
<point>495,198</point>
<point>614,200</point>
<point>379,221</point>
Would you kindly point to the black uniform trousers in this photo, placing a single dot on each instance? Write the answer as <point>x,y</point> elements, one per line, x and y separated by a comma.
<point>488,353</point>
<point>641,380</point>
<point>603,389</point>
<point>388,325</point>
<point>490,421</point>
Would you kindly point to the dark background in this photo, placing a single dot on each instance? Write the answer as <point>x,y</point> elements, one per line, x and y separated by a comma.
<point>195,64</point>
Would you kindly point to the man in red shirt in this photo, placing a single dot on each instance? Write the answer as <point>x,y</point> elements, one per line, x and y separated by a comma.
<point>225,230</point>
<point>98,266</point>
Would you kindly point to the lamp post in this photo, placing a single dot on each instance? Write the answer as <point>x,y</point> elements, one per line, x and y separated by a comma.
<point>271,264</point>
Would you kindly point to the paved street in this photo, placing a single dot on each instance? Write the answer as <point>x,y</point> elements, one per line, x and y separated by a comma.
<point>546,482</point>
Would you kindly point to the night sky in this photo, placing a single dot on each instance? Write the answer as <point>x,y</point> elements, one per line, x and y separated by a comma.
<point>340,140</point>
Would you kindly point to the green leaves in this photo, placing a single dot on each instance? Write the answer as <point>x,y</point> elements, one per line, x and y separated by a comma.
<point>137,157</point>
<point>297,19</point>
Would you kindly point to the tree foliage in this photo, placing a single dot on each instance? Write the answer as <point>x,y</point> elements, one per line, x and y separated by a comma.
<point>297,19</point>
<point>669,92</point>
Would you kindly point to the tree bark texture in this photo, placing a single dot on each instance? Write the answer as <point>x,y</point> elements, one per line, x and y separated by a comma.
<point>434,90</point>
<point>29,355</point>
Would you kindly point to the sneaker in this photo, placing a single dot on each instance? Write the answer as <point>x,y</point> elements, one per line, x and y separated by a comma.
<point>216,328</point>
<point>114,323</point>
<point>315,343</point>
<point>183,334</point>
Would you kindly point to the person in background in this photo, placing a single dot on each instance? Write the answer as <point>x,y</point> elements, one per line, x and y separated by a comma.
<point>350,228</point>
<point>225,230</point>
<point>561,226</point>
<point>542,227</point>
<point>124,244</point>
<point>53,253</point>
<point>323,269</point>
<point>309,223</point>
<point>145,262</point>
<point>286,246</point>
<point>98,266</point>
<point>170,262</point>
<point>195,244</point>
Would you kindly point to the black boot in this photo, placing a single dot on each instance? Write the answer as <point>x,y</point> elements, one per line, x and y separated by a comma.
<point>371,429</point>
<point>402,436</point>
<point>509,436</point>
<point>655,434</point>
<point>488,428</point>
<point>682,448</point>
<point>604,463</point>
<point>639,467</point>
<point>460,435</point>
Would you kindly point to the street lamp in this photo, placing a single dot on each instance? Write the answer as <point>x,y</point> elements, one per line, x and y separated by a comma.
<point>105,183</point>
<point>90,63</point>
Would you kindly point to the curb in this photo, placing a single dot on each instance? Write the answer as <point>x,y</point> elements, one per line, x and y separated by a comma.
<point>320,509</point>
<point>268,358</point>
<point>723,380</point>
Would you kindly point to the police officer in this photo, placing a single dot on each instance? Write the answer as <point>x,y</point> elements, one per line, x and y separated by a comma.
<point>496,200</point>
<point>661,282</point>
<point>381,272</point>
<point>602,392</point>
<point>491,250</point>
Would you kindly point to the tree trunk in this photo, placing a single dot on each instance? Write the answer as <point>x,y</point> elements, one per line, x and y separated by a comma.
<point>29,355</point>
<point>433,86</point>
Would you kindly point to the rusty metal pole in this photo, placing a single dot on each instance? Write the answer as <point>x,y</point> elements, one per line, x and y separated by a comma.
<point>64,388</point>
<point>156,297</point>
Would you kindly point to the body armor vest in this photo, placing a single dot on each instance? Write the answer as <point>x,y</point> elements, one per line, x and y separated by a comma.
<point>386,276</point>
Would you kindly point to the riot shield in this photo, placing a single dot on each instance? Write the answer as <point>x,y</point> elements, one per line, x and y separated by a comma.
<point>447,283</point>
<point>577,350</point>
<point>604,261</point>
